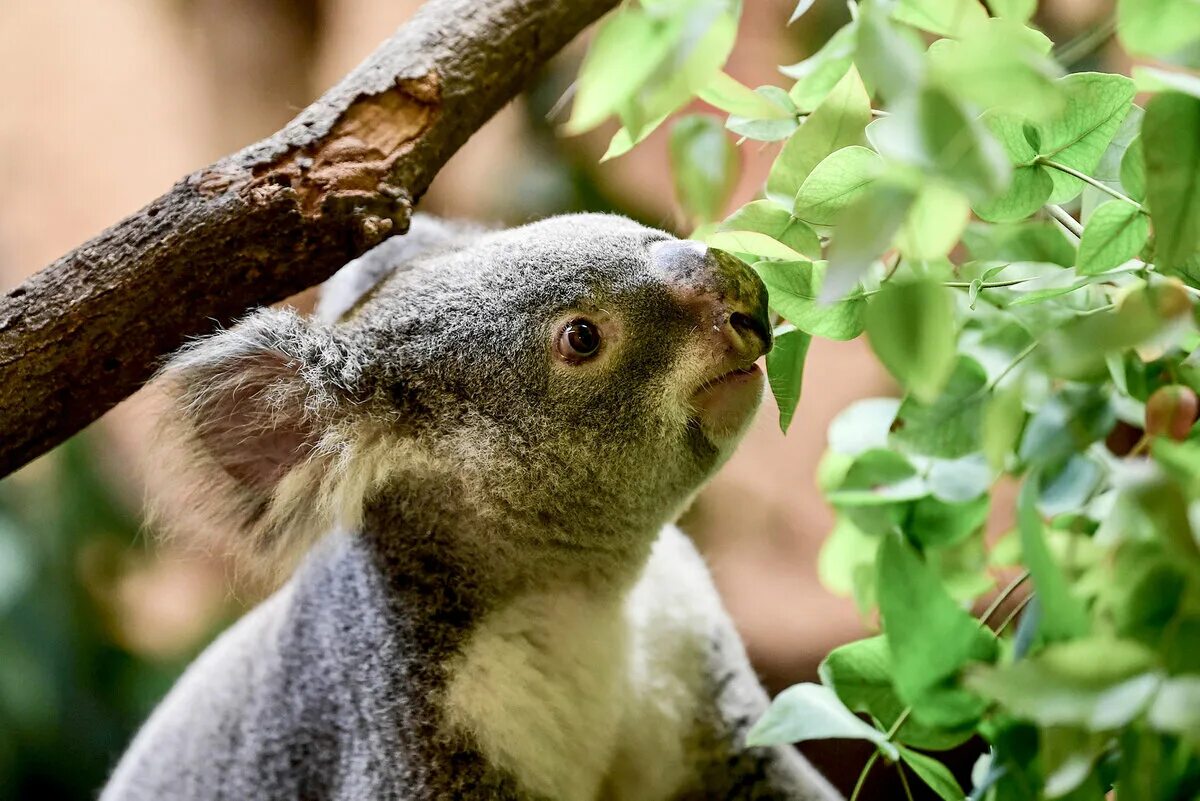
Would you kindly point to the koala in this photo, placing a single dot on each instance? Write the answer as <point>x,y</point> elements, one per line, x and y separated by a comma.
<point>480,444</point>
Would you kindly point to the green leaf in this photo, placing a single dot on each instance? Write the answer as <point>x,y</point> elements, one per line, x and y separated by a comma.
<point>839,180</point>
<point>1108,171</point>
<point>806,712</point>
<point>1000,65</point>
<point>878,478</point>
<point>733,97</point>
<point>704,164</point>
<point>752,242</point>
<point>846,555</point>
<point>1133,170</point>
<point>888,56</point>
<point>837,123</point>
<point>1066,423</point>
<point>794,289</point>
<point>943,17</point>
<point>1171,136</point>
<point>628,47</point>
<point>865,230</point>
<point>935,222</point>
<point>700,52</point>
<point>766,217</point>
<point>770,129</point>
<point>623,141</point>
<point>1034,241</point>
<point>934,523</point>
<point>1115,233</point>
<point>936,775</point>
<point>1176,708</point>
<point>863,425</point>
<point>816,75</point>
<point>1031,184</point>
<point>1097,684</point>
<point>933,132</point>
<point>861,674</point>
<point>930,637</point>
<point>949,427</point>
<point>785,371</point>
<point>911,328</point>
<point>1063,616</point>
<point>1096,104</point>
<point>1157,27</point>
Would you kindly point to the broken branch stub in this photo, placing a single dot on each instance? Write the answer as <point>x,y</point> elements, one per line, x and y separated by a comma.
<point>267,222</point>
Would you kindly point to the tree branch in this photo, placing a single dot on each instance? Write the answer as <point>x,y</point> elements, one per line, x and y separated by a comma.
<point>264,223</point>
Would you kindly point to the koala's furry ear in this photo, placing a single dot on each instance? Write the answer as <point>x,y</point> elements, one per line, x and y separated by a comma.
<point>426,235</point>
<point>262,411</point>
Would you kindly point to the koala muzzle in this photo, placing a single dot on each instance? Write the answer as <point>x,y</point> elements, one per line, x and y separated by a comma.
<point>727,296</point>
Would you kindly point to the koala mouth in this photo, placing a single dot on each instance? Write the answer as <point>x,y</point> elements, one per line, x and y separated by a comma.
<point>726,403</point>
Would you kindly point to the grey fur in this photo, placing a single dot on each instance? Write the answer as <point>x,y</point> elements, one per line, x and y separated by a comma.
<point>480,494</point>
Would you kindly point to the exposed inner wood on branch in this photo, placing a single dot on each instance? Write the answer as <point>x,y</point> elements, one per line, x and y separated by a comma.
<point>267,222</point>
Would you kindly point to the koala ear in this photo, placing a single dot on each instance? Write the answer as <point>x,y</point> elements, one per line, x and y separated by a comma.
<point>426,235</point>
<point>258,409</point>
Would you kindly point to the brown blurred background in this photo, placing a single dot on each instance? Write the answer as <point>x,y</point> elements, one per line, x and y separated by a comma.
<point>105,103</point>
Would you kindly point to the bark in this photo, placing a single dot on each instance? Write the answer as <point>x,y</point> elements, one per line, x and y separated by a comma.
<point>267,222</point>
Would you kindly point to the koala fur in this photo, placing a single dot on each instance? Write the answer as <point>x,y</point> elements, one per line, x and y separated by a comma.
<point>494,603</point>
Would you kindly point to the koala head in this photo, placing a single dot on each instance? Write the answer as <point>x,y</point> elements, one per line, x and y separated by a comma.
<point>573,381</point>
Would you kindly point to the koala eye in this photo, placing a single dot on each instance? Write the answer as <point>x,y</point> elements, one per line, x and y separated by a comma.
<point>579,340</point>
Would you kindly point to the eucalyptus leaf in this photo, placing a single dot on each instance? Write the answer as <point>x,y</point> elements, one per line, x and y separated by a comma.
<point>935,775</point>
<point>628,47</point>
<point>785,371</point>
<point>911,328</point>
<point>777,222</point>
<point>1157,27</point>
<point>943,17</point>
<point>837,123</point>
<point>1171,138</point>
<point>819,73</point>
<point>794,289</point>
<point>949,427</point>
<point>930,637</point>
<point>860,673</point>
<point>1063,616</point>
<point>704,164</point>
<point>1115,233</point>
<point>806,712</point>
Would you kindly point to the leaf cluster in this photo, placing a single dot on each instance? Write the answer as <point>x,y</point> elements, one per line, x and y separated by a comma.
<point>1020,245</point>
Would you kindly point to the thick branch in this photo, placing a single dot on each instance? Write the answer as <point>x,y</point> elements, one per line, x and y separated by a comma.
<point>260,225</point>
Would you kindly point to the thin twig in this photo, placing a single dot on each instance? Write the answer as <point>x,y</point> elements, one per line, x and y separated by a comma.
<point>1089,180</point>
<point>999,600</point>
<point>1060,214</point>
<point>862,777</point>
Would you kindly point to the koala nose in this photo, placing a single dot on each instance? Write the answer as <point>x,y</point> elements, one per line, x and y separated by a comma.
<point>721,289</point>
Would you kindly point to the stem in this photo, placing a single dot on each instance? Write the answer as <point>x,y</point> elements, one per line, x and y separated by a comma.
<point>862,777</point>
<point>961,285</point>
<point>1016,611</point>
<point>987,284</point>
<point>1004,595</point>
<point>1089,180</point>
<point>1020,357</point>
<point>1070,223</point>
<point>904,781</point>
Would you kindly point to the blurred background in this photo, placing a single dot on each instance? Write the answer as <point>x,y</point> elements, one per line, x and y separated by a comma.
<point>104,104</point>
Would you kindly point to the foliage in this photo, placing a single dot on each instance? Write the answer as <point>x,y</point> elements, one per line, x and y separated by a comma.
<point>1020,245</point>
<point>71,694</point>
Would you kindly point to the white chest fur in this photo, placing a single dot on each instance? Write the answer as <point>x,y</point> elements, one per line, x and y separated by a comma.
<point>584,697</point>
